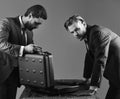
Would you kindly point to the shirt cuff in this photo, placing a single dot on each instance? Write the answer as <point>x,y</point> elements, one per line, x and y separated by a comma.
<point>94,88</point>
<point>21,51</point>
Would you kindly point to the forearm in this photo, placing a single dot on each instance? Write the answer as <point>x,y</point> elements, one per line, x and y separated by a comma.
<point>11,49</point>
<point>5,45</point>
<point>97,76</point>
<point>101,55</point>
<point>88,65</point>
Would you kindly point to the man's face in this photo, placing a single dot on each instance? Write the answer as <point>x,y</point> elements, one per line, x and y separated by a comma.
<point>78,30</point>
<point>33,23</point>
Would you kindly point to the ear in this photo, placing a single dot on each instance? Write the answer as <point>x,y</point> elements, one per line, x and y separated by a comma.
<point>30,15</point>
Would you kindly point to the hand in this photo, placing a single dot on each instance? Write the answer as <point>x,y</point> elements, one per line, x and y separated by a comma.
<point>93,88</point>
<point>88,92</point>
<point>29,48</point>
<point>37,48</point>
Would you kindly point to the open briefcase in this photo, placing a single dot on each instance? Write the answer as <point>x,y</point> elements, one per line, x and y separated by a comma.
<point>36,72</point>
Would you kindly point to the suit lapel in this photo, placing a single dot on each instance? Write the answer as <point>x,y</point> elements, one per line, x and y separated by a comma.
<point>18,28</point>
<point>16,31</point>
<point>90,30</point>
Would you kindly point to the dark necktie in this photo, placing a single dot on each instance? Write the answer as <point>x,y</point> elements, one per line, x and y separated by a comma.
<point>86,44</point>
<point>23,37</point>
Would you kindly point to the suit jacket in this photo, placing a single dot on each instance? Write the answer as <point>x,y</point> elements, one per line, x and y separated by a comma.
<point>10,43</point>
<point>104,50</point>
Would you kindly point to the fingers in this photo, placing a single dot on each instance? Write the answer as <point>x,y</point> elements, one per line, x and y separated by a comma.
<point>36,46</point>
<point>31,48</point>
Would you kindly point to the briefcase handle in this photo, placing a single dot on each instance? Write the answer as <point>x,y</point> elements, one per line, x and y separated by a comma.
<point>46,53</point>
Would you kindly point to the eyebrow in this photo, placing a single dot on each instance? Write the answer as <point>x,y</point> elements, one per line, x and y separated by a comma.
<point>74,30</point>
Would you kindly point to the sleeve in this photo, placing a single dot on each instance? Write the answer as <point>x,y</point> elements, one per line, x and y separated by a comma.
<point>5,46</point>
<point>101,42</point>
<point>88,64</point>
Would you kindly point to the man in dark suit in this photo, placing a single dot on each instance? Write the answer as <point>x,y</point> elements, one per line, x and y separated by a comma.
<point>16,38</point>
<point>102,57</point>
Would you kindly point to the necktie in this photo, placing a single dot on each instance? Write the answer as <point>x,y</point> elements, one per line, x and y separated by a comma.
<point>86,44</point>
<point>23,37</point>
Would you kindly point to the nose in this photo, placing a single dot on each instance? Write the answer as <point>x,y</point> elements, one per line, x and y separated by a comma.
<point>41,20</point>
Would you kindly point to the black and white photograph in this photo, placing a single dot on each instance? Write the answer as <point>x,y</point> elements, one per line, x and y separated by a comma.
<point>59,49</point>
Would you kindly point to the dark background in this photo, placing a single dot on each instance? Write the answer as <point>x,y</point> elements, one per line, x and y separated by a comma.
<point>68,53</point>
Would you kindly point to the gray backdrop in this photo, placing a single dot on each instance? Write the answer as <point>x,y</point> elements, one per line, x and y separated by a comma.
<point>68,53</point>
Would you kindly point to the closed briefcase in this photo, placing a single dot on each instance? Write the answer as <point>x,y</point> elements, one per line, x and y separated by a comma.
<point>36,70</point>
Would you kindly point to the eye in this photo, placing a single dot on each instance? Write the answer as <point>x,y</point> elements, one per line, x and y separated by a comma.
<point>72,32</point>
<point>77,29</point>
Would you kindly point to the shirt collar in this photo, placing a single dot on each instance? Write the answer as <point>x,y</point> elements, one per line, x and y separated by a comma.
<point>21,22</point>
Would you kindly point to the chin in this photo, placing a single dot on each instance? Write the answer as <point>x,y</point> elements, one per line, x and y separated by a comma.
<point>32,28</point>
<point>79,38</point>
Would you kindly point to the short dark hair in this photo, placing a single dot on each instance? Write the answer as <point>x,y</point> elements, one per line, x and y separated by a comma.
<point>73,19</point>
<point>37,11</point>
